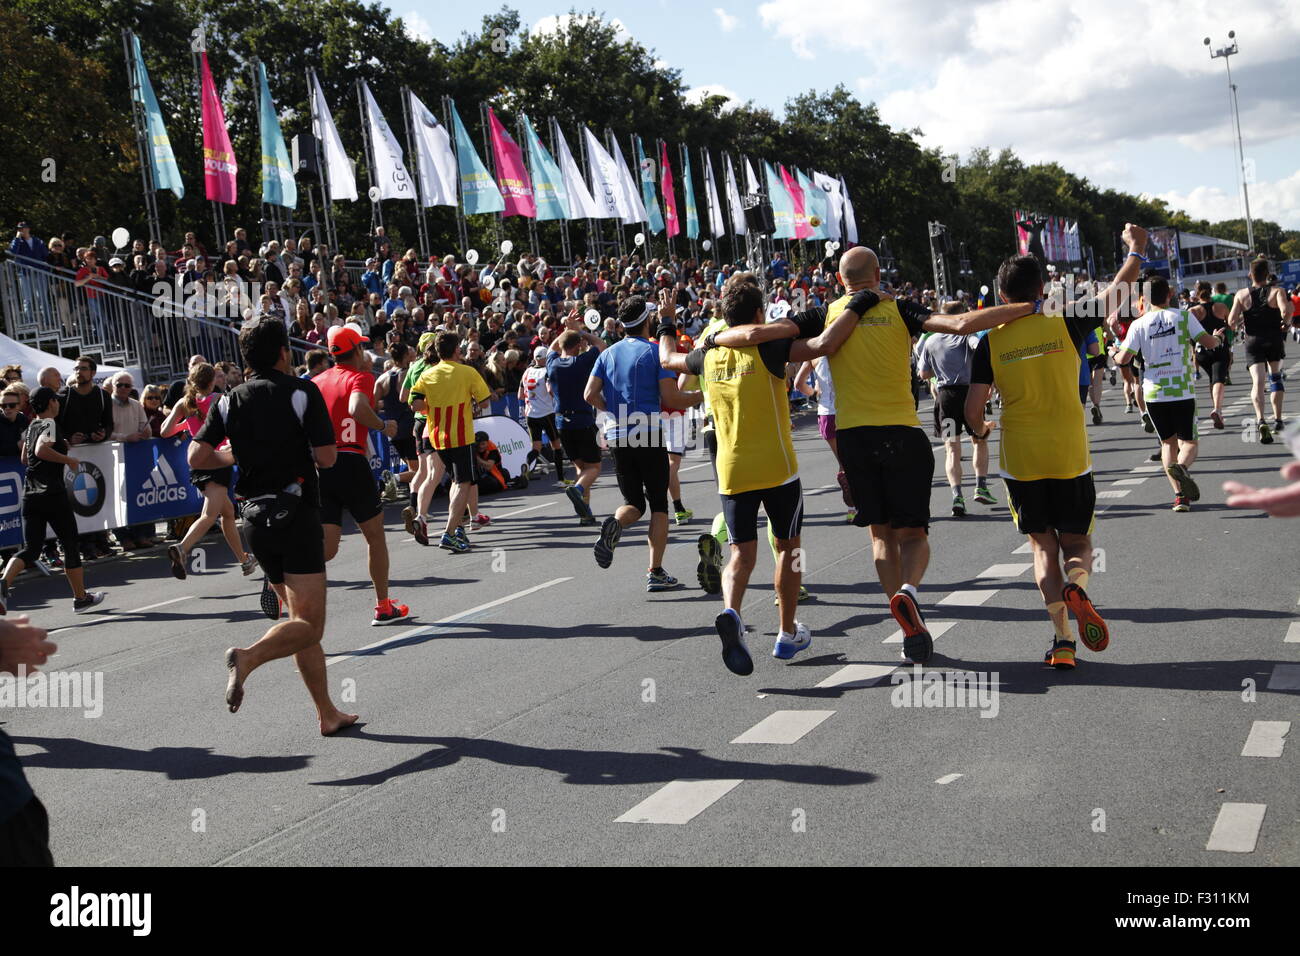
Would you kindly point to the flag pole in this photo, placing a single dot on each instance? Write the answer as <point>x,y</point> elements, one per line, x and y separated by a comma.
<point>462,225</point>
<point>618,225</point>
<point>685,157</point>
<point>414,153</point>
<point>595,235</point>
<point>565,249</point>
<point>376,204</point>
<point>492,167</point>
<point>532,175</point>
<point>142,144</point>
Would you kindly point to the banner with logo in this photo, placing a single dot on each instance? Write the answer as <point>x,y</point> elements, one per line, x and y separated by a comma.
<point>219,165</point>
<point>646,170</point>
<point>390,175</point>
<point>512,172</point>
<point>97,489</point>
<point>161,158</point>
<point>478,190</point>
<point>671,223</point>
<point>548,183</point>
<point>158,480</point>
<point>278,186</point>
<point>11,502</point>
<point>511,440</point>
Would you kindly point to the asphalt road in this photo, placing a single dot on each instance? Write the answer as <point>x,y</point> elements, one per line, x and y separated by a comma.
<point>538,710</point>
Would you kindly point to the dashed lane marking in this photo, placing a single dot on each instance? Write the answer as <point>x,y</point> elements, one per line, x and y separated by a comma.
<point>679,801</point>
<point>783,727</point>
<point>1237,828</point>
<point>948,778</point>
<point>1284,677</point>
<point>968,598</point>
<point>1267,738</point>
<point>1004,571</point>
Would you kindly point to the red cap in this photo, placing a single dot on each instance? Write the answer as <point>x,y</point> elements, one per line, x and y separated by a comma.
<point>343,339</point>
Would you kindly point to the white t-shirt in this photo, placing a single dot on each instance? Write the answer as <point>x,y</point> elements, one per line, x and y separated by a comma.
<point>538,402</point>
<point>1166,338</point>
<point>825,386</point>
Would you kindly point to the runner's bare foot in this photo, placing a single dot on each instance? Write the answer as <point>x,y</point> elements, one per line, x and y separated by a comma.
<point>235,682</point>
<point>336,722</point>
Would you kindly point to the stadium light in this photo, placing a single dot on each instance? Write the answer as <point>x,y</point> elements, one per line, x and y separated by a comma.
<point>1225,52</point>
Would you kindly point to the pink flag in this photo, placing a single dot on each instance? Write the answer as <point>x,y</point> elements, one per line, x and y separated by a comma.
<point>801,228</point>
<point>671,224</point>
<point>512,171</point>
<point>218,155</point>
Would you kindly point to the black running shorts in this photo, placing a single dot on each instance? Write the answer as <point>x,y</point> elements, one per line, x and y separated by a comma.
<point>461,464</point>
<point>1064,505</point>
<point>537,427</point>
<point>782,504</point>
<point>950,406</point>
<point>1174,419</point>
<point>349,486</point>
<point>1214,363</point>
<point>643,476</point>
<point>580,444</point>
<point>889,469</point>
<point>1265,349</point>
<point>297,549</point>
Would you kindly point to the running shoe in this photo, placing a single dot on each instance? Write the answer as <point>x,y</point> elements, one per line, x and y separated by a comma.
<point>580,506</point>
<point>1181,504</point>
<point>683,516</point>
<point>709,571</point>
<point>734,653</point>
<point>408,520</point>
<point>461,535</point>
<point>1096,415</point>
<point>1277,425</point>
<point>1061,656</point>
<point>984,496</point>
<point>1128,409</point>
<point>917,643</point>
<point>803,596</point>
<point>988,408</point>
<point>270,601</point>
<point>1217,419</point>
<point>421,532</point>
<point>610,532</point>
<point>1148,425</point>
<point>958,506</point>
<point>788,645</point>
<point>587,521</point>
<point>850,516</point>
<point>454,544</point>
<point>481,520</point>
<point>1112,377</point>
<point>391,491</point>
<point>1154,456</point>
<point>390,610</point>
<point>660,580</point>
<point>248,565</point>
<point>177,558</point>
<point>1265,436</point>
<point>567,482</point>
<point>92,599</point>
<point>1092,629</point>
<point>1186,486</point>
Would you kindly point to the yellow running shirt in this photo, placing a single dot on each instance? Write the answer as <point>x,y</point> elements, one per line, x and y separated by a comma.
<point>872,370</point>
<point>450,390</point>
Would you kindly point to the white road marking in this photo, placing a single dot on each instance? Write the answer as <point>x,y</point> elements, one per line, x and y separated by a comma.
<point>1004,571</point>
<point>1124,493</point>
<point>1131,481</point>
<point>937,630</point>
<point>948,778</point>
<point>1237,828</point>
<point>859,675</point>
<point>693,467</point>
<point>1267,738</point>
<point>151,607</point>
<point>1284,677</point>
<point>968,598</point>
<point>679,801</point>
<point>519,511</point>
<point>1149,466</point>
<point>111,614</point>
<point>1026,548</point>
<point>429,628</point>
<point>1292,634</point>
<point>783,727</point>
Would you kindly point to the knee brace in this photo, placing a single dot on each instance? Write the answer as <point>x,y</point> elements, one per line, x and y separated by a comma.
<point>1275,383</point>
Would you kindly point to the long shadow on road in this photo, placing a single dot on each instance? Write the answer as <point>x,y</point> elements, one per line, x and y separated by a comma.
<point>176,763</point>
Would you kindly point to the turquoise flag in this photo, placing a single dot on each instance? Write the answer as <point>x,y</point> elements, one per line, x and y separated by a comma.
<point>654,219</point>
<point>692,215</point>
<point>782,206</point>
<point>548,185</point>
<point>814,201</point>
<point>478,190</point>
<point>278,187</point>
<point>162,162</point>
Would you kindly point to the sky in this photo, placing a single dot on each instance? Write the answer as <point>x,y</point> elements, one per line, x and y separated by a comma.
<point>1125,94</point>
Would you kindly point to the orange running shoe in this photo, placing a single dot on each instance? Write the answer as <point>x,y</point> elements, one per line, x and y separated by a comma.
<point>917,643</point>
<point>1061,656</point>
<point>1092,629</point>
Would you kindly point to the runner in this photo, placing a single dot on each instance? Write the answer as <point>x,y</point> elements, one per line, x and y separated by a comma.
<point>391,408</point>
<point>1213,362</point>
<point>448,394</point>
<point>348,389</point>
<point>279,433</point>
<point>675,419</point>
<point>429,468</point>
<point>1166,336</point>
<point>945,361</point>
<point>1262,311</point>
<point>825,392</point>
<point>628,387</point>
<point>45,503</point>
<point>539,410</point>
<point>1043,455</point>
<point>188,414</point>
<point>572,356</point>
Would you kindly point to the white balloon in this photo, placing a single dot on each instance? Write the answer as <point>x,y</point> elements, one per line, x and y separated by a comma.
<point>778,310</point>
<point>373,194</point>
<point>592,318</point>
<point>507,247</point>
<point>706,245</point>
<point>639,238</point>
<point>984,290</point>
<point>837,245</point>
<point>472,257</point>
<point>830,247</point>
<point>489,283</point>
<point>121,237</point>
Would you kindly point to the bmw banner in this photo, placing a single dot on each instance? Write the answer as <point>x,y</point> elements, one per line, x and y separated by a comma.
<point>11,502</point>
<point>157,478</point>
<point>96,488</point>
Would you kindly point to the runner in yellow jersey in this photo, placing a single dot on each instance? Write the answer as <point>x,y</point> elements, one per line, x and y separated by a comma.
<point>1044,456</point>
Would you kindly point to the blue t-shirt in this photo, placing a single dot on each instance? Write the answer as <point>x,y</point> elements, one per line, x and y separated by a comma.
<point>631,373</point>
<point>568,376</point>
<point>1085,370</point>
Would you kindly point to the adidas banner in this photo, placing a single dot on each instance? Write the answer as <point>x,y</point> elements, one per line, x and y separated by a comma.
<point>157,479</point>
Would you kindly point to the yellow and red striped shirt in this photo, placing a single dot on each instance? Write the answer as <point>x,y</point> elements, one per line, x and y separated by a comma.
<point>450,390</point>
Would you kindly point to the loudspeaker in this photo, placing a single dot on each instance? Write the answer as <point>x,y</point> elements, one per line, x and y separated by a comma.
<point>760,220</point>
<point>306,158</point>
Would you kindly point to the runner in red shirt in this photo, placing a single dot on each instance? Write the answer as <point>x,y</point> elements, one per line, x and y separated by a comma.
<point>348,389</point>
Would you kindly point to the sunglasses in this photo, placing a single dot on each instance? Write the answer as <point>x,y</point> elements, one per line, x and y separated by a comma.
<point>152,398</point>
<point>9,405</point>
<point>124,385</point>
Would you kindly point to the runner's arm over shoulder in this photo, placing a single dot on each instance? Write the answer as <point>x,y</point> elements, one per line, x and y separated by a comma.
<point>829,340</point>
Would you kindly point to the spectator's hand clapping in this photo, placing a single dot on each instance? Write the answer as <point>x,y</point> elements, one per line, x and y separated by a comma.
<point>22,645</point>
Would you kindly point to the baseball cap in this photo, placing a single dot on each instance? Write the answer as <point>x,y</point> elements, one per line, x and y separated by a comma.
<point>116,262</point>
<point>344,338</point>
<point>41,398</point>
<point>24,225</point>
<point>426,339</point>
<point>539,352</point>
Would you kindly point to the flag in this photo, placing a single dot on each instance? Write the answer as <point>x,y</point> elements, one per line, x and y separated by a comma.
<point>631,197</point>
<point>688,190</point>
<point>814,206</point>
<point>278,187</point>
<point>734,204</point>
<point>435,162</point>
<point>671,222</point>
<point>646,170</point>
<point>581,203</point>
<point>830,188</point>
<point>219,166</point>
<point>782,206</point>
<point>850,221</point>
<point>512,172</point>
<point>338,168</point>
<point>165,174</point>
<point>801,228</point>
<point>548,184</point>
<point>390,168</point>
<point>606,184</point>
<point>716,225</point>
<point>752,187</point>
<point>478,190</point>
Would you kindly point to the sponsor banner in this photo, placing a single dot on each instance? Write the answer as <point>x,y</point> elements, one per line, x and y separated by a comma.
<point>97,489</point>
<point>157,478</point>
<point>511,440</point>
<point>11,502</point>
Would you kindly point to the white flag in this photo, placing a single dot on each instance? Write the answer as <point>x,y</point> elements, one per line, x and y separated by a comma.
<point>751,181</point>
<point>834,204</point>
<point>606,184</point>
<point>716,225</point>
<point>435,162</point>
<point>581,203</point>
<point>733,198</point>
<point>850,221</point>
<point>631,189</point>
<point>338,168</point>
<point>390,169</point>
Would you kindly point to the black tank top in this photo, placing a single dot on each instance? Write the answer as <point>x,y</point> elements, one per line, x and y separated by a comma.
<point>1210,323</point>
<point>396,410</point>
<point>1263,321</point>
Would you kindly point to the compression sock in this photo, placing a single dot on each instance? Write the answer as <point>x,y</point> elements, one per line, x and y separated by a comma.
<point>1078,576</point>
<point>956,490</point>
<point>1060,620</point>
<point>677,505</point>
<point>981,481</point>
<point>771,541</point>
<point>719,529</point>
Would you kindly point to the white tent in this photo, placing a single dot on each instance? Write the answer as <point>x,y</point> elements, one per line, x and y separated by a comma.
<point>32,360</point>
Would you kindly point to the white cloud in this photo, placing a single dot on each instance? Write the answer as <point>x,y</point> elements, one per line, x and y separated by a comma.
<point>418,27</point>
<point>556,23</point>
<point>660,64</point>
<point>697,95</point>
<point>1278,201</point>
<point>726,20</point>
